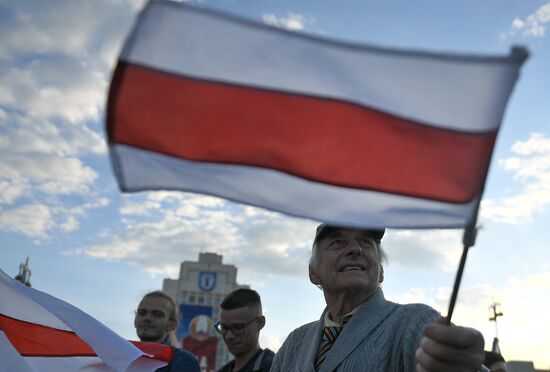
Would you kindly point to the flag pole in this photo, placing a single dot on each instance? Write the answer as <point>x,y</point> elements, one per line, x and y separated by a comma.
<point>468,241</point>
<point>470,232</point>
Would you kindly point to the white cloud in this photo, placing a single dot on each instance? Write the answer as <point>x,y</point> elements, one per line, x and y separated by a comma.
<point>182,204</point>
<point>291,21</point>
<point>424,249</point>
<point>52,174</point>
<point>61,55</point>
<point>68,217</point>
<point>534,24</point>
<point>536,144</point>
<point>27,135</point>
<point>10,190</point>
<point>518,24</point>
<point>57,87</point>
<point>531,167</point>
<point>132,208</point>
<point>272,244</point>
<point>162,229</point>
<point>114,251</point>
<point>38,156</point>
<point>38,220</point>
<point>76,28</point>
<point>56,60</point>
<point>33,220</point>
<point>157,238</point>
<point>70,224</point>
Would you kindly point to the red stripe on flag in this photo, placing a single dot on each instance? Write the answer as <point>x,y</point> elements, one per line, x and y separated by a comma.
<point>35,340</point>
<point>304,136</point>
<point>155,350</point>
<point>31,339</point>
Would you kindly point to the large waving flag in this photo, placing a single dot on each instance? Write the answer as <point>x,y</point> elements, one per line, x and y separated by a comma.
<point>343,133</point>
<point>39,332</point>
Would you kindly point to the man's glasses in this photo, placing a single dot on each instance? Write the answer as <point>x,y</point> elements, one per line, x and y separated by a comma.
<point>236,328</point>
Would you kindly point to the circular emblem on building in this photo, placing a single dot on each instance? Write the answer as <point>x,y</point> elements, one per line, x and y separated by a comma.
<point>200,327</point>
<point>207,281</point>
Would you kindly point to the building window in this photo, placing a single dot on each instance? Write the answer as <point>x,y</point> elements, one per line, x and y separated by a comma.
<point>201,300</point>
<point>192,299</point>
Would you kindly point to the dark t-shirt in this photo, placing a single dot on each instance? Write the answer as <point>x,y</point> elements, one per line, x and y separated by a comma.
<point>260,362</point>
<point>182,361</point>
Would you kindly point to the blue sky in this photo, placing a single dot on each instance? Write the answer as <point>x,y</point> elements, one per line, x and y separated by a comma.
<point>101,250</point>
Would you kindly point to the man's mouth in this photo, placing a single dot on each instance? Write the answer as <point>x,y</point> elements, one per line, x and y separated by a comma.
<point>351,268</point>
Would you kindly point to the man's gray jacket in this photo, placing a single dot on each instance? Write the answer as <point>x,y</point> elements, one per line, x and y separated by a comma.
<point>382,336</point>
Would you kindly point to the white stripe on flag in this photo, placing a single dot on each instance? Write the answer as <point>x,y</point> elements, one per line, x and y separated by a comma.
<point>10,360</point>
<point>61,364</point>
<point>19,305</point>
<point>146,170</point>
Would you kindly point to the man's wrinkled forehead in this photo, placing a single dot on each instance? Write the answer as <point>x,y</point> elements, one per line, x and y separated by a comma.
<point>338,233</point>
<point>324,231</point>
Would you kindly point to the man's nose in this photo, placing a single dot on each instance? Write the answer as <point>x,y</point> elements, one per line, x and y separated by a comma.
<point>354,247</point>
<point>229,334</point>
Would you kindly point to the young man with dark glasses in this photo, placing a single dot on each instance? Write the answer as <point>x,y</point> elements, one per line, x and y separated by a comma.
<point>240,323</point>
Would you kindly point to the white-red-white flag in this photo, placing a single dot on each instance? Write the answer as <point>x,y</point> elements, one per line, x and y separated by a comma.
<point>338,132</point>
<point>41,333</point>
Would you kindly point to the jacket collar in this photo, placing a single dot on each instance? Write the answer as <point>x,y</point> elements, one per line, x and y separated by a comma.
<point>369,315</point>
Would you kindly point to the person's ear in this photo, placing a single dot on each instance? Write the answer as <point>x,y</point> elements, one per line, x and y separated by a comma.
<point>172,325</point>
<point>313,276</point>
<point>261,321</point>
<point>381,276</point>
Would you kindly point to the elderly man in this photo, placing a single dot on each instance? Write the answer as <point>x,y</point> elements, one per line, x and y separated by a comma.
<point>360,330</point>
<point>155,320</point>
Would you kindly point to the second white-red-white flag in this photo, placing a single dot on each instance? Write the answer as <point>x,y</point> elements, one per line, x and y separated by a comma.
<point>41,333</point>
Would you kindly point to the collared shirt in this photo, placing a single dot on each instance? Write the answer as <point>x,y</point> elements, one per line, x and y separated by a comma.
<point>331,323</point>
